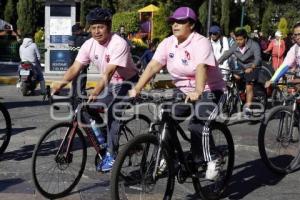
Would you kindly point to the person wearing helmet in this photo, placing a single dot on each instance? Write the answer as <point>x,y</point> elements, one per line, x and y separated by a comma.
<point>110,53</point>
<point>220,45</point>
<point>196,76</point>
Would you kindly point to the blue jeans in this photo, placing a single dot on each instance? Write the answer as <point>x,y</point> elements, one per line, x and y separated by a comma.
<point>113,94</point>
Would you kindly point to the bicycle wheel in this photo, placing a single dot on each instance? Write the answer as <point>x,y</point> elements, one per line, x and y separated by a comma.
<point>138,124</point>
<point>5,128</point>
<point>133,175</point>
<point>222,147</point>
<point>230,107</point>
<point>54,173</point>
<point>278,139</point>
<point>260,97</point>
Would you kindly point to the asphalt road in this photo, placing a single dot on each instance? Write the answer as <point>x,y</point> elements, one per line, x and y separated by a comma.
<point>30,117</point>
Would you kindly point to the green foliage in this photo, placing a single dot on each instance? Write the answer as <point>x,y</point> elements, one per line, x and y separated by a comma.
<point>203,13</point>
<point>130,20</point>
<point>247,28</point>
<point>39,36</point>
<point>9,12</point>
<point>225,16</point>
<point>266,26</point>
<point>283,26</point>
<point>161,28</point>
<point>26,22</point>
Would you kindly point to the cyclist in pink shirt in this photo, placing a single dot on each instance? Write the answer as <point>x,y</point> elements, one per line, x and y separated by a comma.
<point>110,53</point>
<point>190,60</point>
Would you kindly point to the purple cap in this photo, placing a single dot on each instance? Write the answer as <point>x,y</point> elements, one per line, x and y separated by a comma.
<point>183,13</point>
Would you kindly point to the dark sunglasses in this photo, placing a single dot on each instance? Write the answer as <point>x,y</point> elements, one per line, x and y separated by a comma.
<point>184,21</point>
<point>296,34</point>
<point>213,33</point>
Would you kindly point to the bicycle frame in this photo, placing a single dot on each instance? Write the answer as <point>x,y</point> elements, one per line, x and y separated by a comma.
<point>163,122</point>
<point>70,134</point>
<point>295,97</point>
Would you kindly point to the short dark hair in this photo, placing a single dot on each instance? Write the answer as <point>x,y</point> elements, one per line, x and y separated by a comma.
<point>241,32</point>
<point>296,25</point>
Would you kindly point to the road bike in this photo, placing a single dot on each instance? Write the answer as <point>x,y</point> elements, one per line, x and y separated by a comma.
<point>5,128</point>
<point>146,167</point>
<point>60,156</point>
<point>278,138</point>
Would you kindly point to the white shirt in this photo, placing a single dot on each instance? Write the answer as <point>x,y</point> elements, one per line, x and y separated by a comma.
<point>218,50</point>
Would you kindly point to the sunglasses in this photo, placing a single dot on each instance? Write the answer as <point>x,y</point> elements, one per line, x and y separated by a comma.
<point>296,34</point>
<point>213,33</point>
<point>184,21</point>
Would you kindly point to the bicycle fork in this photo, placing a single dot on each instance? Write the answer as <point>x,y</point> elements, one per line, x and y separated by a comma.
<point>69,137</point>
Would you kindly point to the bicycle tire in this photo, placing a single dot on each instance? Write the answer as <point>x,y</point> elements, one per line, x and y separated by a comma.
<point>133,146</point>
<point>127,131</point>
<point>231,106</point>
<point>6,134</point>
<point>276,162</point>
<point>213,190</point>
<point>61,166</point>
<point>130,128</point>
<point>260,96</point>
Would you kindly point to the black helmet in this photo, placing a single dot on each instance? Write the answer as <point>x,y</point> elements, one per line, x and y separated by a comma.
<point>99,14</point>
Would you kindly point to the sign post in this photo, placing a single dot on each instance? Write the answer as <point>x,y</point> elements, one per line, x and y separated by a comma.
<point>60,15</point>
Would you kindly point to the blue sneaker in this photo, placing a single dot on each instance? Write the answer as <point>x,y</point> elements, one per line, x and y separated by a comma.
<point>107,162</point>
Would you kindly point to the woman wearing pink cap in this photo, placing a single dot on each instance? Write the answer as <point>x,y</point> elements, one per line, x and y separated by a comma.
<point>190,60</point>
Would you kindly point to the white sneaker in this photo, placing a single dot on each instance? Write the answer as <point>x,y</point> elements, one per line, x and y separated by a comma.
<point>18,84</point>
<point>162,166</point>
<point>212,170</point>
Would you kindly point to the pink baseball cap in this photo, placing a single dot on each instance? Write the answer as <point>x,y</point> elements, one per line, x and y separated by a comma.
<point>183,13</point>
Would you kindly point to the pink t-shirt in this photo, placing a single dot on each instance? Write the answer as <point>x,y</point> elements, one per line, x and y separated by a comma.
<point>291,58</point>
<point>182,60</point>
<point>115,51</point>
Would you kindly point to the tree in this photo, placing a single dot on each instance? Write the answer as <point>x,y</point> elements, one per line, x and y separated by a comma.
<point>27,21</point>
<point>266,27</point>
<point>225,16</point>
<point>161,28</point>
<point>203,13</point>
<point>283,27</point>
<point>10,13</point>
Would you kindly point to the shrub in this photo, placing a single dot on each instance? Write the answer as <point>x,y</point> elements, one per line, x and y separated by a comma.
<point>161,28</point>
<point>39,36</point>
<point>130,20</point>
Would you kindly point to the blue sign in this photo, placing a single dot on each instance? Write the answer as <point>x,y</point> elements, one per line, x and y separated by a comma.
<point>60,60</point>
<point>59,39</point>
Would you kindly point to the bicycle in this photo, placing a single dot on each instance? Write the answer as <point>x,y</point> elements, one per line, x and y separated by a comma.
<point>283,89</point>
<point>59,157</point>
<point>147,165</point>
<point>5,128</point>
<point>237,97</point>
<point>278,138</point>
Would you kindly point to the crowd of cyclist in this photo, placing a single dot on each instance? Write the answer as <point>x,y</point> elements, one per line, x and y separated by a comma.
<point>195,72</point>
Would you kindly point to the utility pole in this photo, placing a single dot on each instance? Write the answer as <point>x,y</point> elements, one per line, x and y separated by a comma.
<point>209,17</point>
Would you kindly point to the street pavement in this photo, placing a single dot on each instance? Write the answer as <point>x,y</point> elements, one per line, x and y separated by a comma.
<point>30,118</point>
